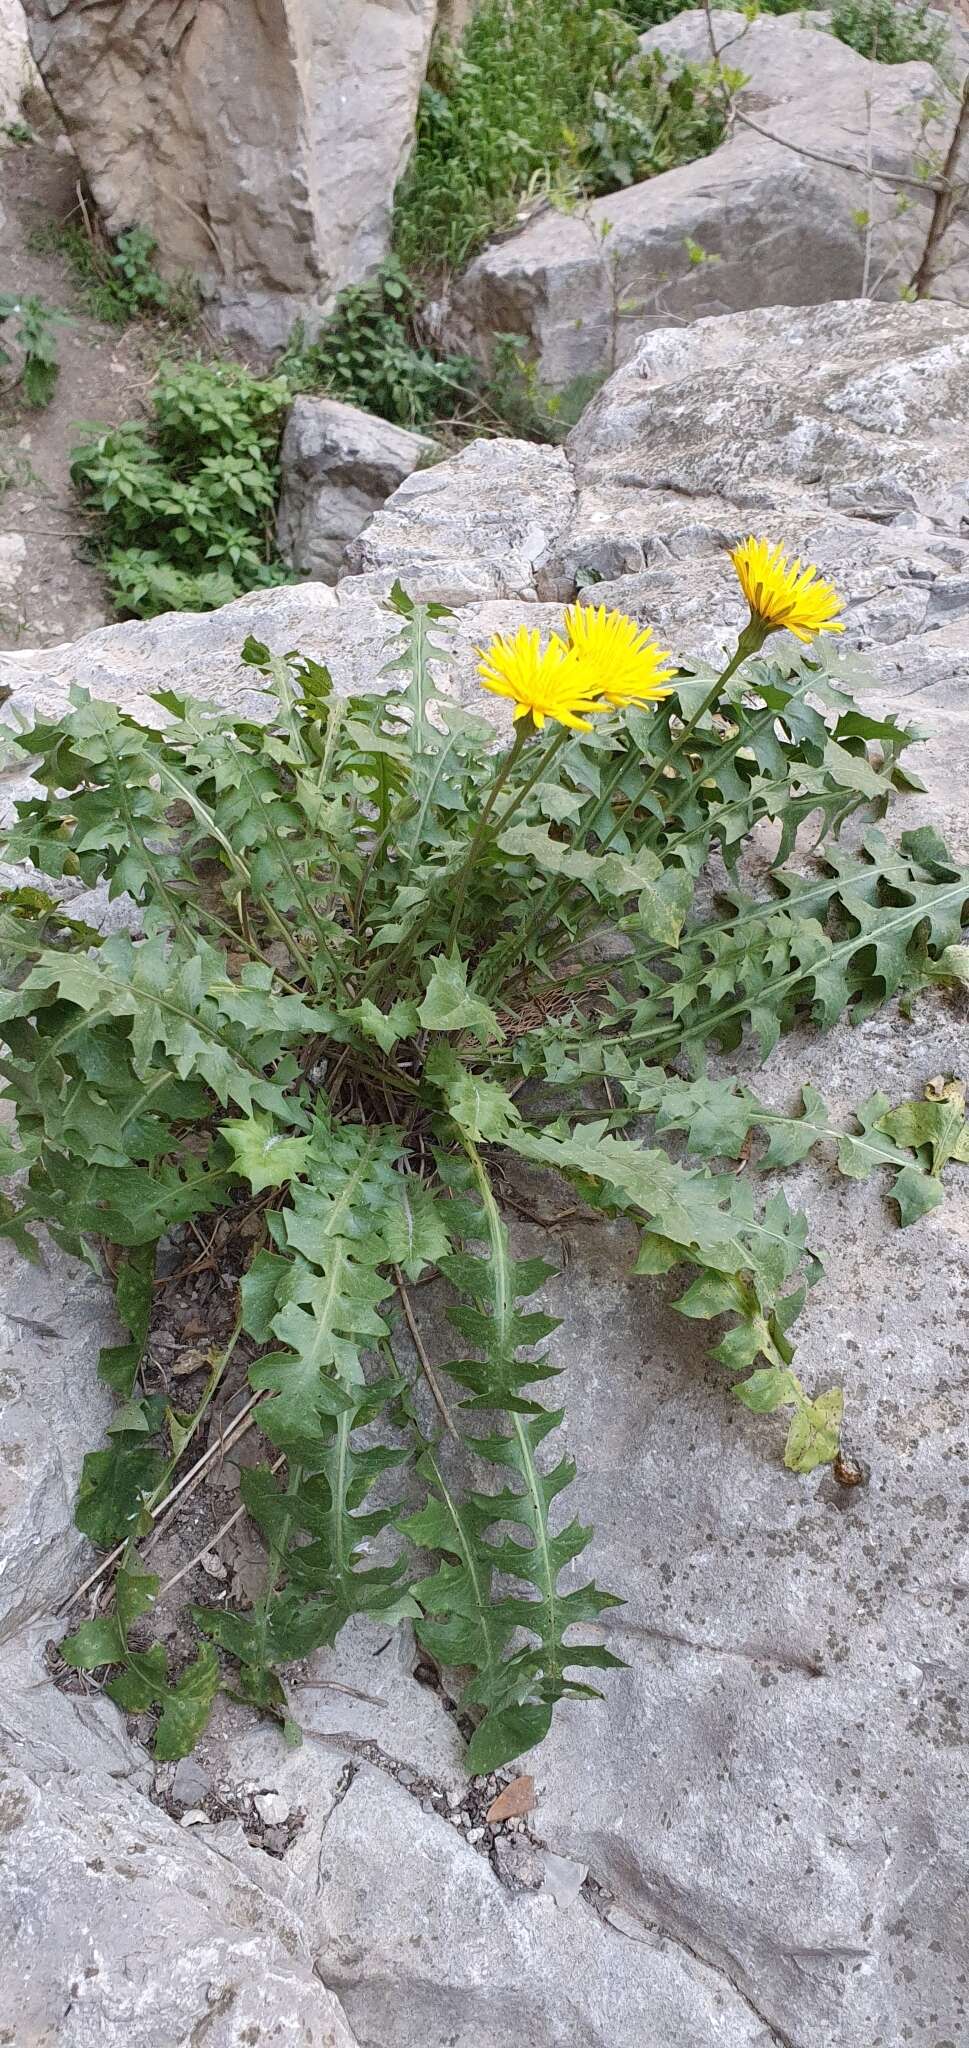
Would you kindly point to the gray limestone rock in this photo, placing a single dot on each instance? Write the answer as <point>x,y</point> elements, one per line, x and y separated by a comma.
<point>338,467</point>
<point>422,1944</point>
<point>351,631</point>
<point>260,142</point>
<point>843,429</point>
<point>861,408</point>
<point>54,1318</point>
<point>785,1788</point>
<point>797,206</point>
<point>477,526</point>
<point>17,73</point>
<point>122,1930</point>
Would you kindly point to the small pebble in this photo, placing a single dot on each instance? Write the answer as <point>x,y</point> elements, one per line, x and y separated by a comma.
<point>194,1818</point>
<point>271,1807</point>
<point>190,1361</point>
<point>189,1782</point>
<point>563,1878</point>
<point>475,1834</point>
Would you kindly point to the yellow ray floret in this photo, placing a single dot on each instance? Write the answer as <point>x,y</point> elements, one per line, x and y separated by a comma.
<point>782,594</point>
<point>539,681</point>
<point>616,657</point>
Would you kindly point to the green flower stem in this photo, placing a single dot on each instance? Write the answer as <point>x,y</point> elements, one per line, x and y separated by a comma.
<point>544,762</point>
<point>375,976</point>
<point>750,642</point>
<point>237,866</point>
<point>730,748</point>
<point>555,894</point>
<point>522,735</point>
<point>742,738</point>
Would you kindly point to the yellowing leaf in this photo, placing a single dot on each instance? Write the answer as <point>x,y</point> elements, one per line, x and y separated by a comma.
<point>265,1156</point>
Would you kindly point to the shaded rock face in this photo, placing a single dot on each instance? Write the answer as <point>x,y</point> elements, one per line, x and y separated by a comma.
<point>259,141</point>
<point>16,69</point>
<point>53,1322</point>
<point>758,1836</point>
<point>777,227</point>
<point>338,466</point>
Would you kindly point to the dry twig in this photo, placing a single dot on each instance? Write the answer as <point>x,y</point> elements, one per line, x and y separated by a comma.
<point>425,1363</point>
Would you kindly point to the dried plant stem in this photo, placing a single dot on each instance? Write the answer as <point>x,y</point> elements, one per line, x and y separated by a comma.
<point>238,1427</point>
<point>212,1543</point>
<point>425,1363</point>
<point>946,193</point>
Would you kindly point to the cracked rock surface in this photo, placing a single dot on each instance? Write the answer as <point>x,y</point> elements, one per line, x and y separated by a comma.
<point>757,1839</point>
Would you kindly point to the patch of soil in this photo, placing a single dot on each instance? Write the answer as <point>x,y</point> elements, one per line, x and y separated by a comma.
<point>50,590</point>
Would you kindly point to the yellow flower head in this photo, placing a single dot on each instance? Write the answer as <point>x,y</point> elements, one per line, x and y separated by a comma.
<point>780,593</point>
<point>541,681</point>
<point>616,657</point>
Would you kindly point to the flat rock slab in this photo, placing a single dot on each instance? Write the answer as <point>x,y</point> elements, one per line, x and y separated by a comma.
<point>478,526</point>
<point>447,1958</point>
<point>199,653</point>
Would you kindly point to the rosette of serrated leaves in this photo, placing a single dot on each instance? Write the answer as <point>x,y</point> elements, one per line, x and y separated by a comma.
<point>360,981</point>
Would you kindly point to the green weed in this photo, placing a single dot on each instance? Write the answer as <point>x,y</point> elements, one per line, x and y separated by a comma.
<point>118,283</point>
<point>369,354</point>
<point>185,503</point>
<point>540,94</point>
<point>34,334</point>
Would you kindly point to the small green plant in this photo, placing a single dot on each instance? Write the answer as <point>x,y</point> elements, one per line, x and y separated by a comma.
<point>523,405</point>
<point>35,336</point>
<point>118,283</point>
<point>19,132</point>
<point>540,95</point>
<point>17,473</point>
<point>656,117</point>
<point>369,354</point>
<point>136,283</point>
<point>185,503</point>
<point>360,935</point>
<point>890,33</point>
